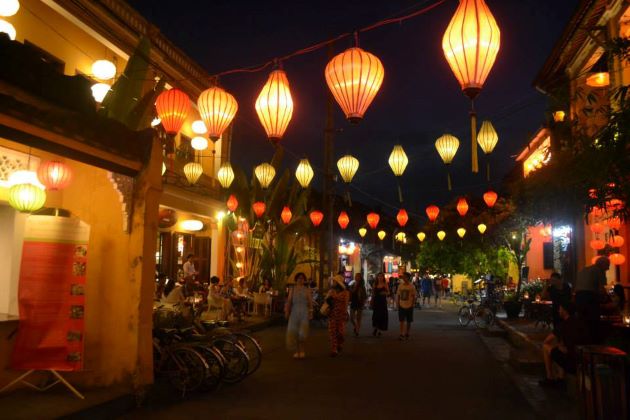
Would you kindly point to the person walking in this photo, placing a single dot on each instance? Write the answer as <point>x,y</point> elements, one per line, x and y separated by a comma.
<point>437,289</point>
<point>299,311</point>
<point>339,297</point>
<point>405,298</point>
<point>358,296</point>
<point>380,292</point>
<point>427,288</point>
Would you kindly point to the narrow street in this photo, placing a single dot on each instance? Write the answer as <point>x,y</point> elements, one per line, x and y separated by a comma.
<point>443,372</point>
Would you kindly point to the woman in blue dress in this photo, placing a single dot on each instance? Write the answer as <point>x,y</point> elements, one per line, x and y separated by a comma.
<point>298,310</point>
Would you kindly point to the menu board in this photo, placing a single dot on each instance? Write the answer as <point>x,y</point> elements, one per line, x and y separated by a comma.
<point>51,294</point>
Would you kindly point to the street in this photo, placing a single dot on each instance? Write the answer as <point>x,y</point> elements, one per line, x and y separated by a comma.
<point>443,372</point>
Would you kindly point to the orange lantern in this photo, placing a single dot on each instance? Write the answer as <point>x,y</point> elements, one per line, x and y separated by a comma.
<point>490,198</point>
<point>259,208</point>
<point>172,107</point>
<point>613,223</point>
<point>616,241</point>
<point>616,259</point>
<point>597,244</point>
<point>354,78</point>
<point>232,203</point>
<point>286,215</point>
<point>343,220</point>
<point>373,219</point>
<point>316,217</point>
<point>54,175</point>
<point>614,204</point>
<point>402,217</point>
<point>462,207</point>
<point>471,43</point>
<point>217,109</point>
<point>274,105</point>
<point>596,227</point>
<point>432,212</point>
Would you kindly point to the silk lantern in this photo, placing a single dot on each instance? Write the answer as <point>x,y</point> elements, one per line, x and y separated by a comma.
<point>373,219</point>
<point>217,109</point>
<point>316,217</point>
<point>348,166</point>
<point>441,235</point>
<point>482,228</point>
<point>343,220</point>
<point>462,206</point>
<point>432,212</point>
<point>381,234</point>
<point>617,259</point>
<point>596,227</point>
<point>447,146</point>
<point>225,175</point>
<point>401,236</point>
<point>103,69</point>
<point>490,198</point>
<point>597,244</point>
<point>55,175</point>
<point>402,217</point>
<point>461,232</point>
<point>487,139</point>
<point>232,203</point>
<point>265,174</point>
<point>304,173</point>
<point>172,107</point>
<point>362,232</point>
<point>613,223</point>
<point>616,241</point>
<point>274,105</point>
<point>259,208</point>
<point>398,161</point>
<point>286,215</point>
<point>199,143</point>
<point>26,197</point>
<point>193,171</point>
<point>9,7</point>
<point>421,236</point>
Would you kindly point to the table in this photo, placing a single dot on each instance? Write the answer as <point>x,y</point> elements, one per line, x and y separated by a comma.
<point>542,312</point>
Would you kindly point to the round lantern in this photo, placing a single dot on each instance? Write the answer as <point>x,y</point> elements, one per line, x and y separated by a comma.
<point>54,175</point>
<point>198,127</point>
<point>432,212</point>
<point>348,166</point>
<point>316,217</point>
<point>265,174</point>
<point>217,109</point>
<point>172,107</point>
<point>362,232</point>
<point>166,218</point>
<point>103,69</point>
<point>461,232</point>
<point>199,143</point>
<point>274,105</point>
<point>441,235</point>
<point>304,173</point>
<point>373,219</point>
<point>597,227</point>
<point>225,175</point>
<point>381,234</point>
<point>9,7</point>
<point>482,228</point>
<point>421,236</point>
<point>192,171</point>
<point>99,90</point>
<point>286,215</point>
<point>7,28</point>
<point>447,146</point>
<point>259,208</point>
<point>462,206</point>
<point>490,198</point>
<point>597,244</point>
<point>354,78</point>
<point>192,225</point>
<point>616,241</point>
<point>343,220</point>
<point>613,223</point>
<point>26,198</point>
<point>402,217</point>
<point>617,259</point>
<point>232,203</point>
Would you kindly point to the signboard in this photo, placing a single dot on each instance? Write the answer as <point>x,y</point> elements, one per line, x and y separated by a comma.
<point>51,294</point>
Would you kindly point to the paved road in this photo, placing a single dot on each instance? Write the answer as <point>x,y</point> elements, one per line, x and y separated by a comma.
<point>442,372</point>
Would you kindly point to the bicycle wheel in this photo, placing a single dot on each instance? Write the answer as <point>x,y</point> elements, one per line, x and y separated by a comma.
<point>186,369</point>
<point>463,315</point>
<point>216,366</point>
<point>252,348</point>
<point>483,317</point>
<point>237,361</point>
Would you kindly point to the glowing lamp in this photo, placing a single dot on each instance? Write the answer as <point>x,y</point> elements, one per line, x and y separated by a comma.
<point>26,198</point>
<point>613,223</point>
<point>274,105</point>
<point>259,208</point>
<point>316,217</point>
<point>23,176</point>
<point>172,107</point>
<point>343,220</point>
<point>381,234</point>
<point>103,69</point>
<point>402,217</point>
<point>490,198</point>
<point>597,227</point>
<point>99,90</point>
<point>373,219</point>
<point>348,166</point>
<point>446,147</point>
<point>441,235</point>
<point>54,175</point>
<point>192,171</point>
<point>482,228</point>
<point>199,143</point>
<point>163,168</point>
<point>421,236</point>
<point>354,78</point>
<point>461,232</point>
<point>9,7</point>
<point>398,160</point>
<point>232,203</point>
<point>401,236</point>
<point>198,127</point>
<point>265,174</point>
<point>597,244</point>
<point>286,215</point>
<point>7,28</point>
<point>155,122</point>
<point>487,137</point>
<point>225,175</point>
<point>614,205</point>
<point>558,116</point>
<point>617,259</point>
<point>432,212</point>
<point>362,232</point>
<point>192,225</point>
<point>304,173</point>
<point>462,206</point>
<point>217,109</point>
<point>599,79</point>
<point>616,241</point>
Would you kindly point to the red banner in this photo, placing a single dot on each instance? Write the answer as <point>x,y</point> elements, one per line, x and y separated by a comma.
<point>51,295</point>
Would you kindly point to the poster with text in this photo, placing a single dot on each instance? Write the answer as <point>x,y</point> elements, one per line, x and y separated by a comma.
<point>51,294</point>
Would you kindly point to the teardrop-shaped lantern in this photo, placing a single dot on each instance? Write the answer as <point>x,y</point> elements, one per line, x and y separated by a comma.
<point>265,173</point>
<point>225,175</point>
<point>447,146</point>
<point>343,220</point>
<point>274,105</point>
<point>286,215</point>
<point>316,217</point>
<point>259,208</point>
<point>362,232</point>
<point>348,166</point>
<point>402,217</point>
<point>172,107</point>
<point>55,175</point>
<point>461,232</point>
<point>421,236</point>
<point>487,137</point>
<point>381,234</point>
<point>232,203</point>
<point>490,198</point>
<point>462,206</point>
<point>441,235</point>
<point>398,160</point>
<point>482,228</point>
<point>217,109</point>
<point>354,78</point>
<point>432,212</point>
<point>26,198</point>
<point>192,171</point>
<point>304,173</point>
<point>373,219</point>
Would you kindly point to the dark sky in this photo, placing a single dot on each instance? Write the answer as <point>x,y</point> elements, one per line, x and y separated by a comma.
<point>420,98</point>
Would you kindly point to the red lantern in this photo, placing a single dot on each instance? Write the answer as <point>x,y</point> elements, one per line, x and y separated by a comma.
<point>316,217</point>
<point>373,219</point>
<point>259,208</point>
<point>54,175</point>
<point>613,223</point>
<point>462,207</point>
<point>172,107</point>
<point>596,227</point>
<point>616,259</point>
<point>432,212</point>
<point>343,220</point>
<point>490,197</point>
<point>286,215</point>
<point>402,217</point>
<point>614,204</point>
<point>232,203</point>
<point>616,241</point>
<point>597,244</point>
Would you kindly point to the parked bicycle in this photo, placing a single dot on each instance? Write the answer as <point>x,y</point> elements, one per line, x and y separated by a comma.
<point>481,315</point>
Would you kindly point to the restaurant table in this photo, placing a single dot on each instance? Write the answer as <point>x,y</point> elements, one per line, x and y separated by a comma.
<point>542,312</point>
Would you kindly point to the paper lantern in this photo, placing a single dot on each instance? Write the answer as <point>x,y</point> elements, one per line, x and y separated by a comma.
<point>193,171</point>
<point>402,217</point>
<point>597,244</point>
<point>55,175</point>
<point>421,236</point>
<point>461,232</point>
<point>614,205</point>
<point>598,76</point>
<point>316,217</point>
<point>381,234</point>
<point>447,146</point>
<point>103,69</point>
<point>199,143</point>
<point>259,208</point>
<point>343,220</point>
<point>232,203</point>
<point>373,219</point>
<point>7,28</point>
<point>487,137</point>
<point>362,232</point>
<point>172,107</point>
<point>348,166</point>
<point>217,109</point>
<point>490,198</point>
<point>354,78</point>
<point>462,206</point>
<point>617,259</point>
<point>225,175</point>
<point>9,7</point>
<point>192,225</point>
<point>265,174</point>
<point>198,127</point>
<point>99,91</point>
<point>482,228</point>
<point>432,212</point>
<point>26,198</point>
<point>274,105</point>
<point>597,227</point>
<point>441,235</point>
<point>616,241</point>
<point>613,223</point>
<point>398,160</point>
<point>558,116</point>
<point>286,215</point>
<point>401,236</point>
<point>304,173</point>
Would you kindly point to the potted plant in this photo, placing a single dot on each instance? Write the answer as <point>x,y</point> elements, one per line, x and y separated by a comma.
<point>512,305</point>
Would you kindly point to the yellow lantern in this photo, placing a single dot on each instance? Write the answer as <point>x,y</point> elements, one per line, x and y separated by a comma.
<point>482,228</point>
<point>192,171</point>
<point>225,175</point>
<point>362,232</point>
<point>441,235</point>
<point>348,166</point>
<point>103,69</point>
<point>401,236</point>
<point>461,232</point>
<point>304,173</point>
<point>398,161</point>
<point>447,146</point>
<point>99,91</point>
<point>27,197</point>
<point>9,7</point>
<point>274,105</point>
<point>265,174</point>
<point>421,236</point>
<point>7,28</point>
<point>354,78</point>
<point>381,234</point>
<point>487,139</point>
<point>199,143</point>
<point>558,116</point>
<point>198,127</point>
<point>217,109</point>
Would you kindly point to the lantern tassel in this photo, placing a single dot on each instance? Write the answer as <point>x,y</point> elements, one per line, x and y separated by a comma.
<point>488,170</point>
<point>448,177</point>
<point>473,131</point>
<point>400,196</point>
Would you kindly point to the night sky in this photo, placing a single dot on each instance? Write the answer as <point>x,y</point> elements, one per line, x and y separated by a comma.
<point>420,98</point>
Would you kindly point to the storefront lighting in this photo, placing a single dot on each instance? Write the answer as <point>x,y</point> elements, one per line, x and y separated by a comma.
<point>193,171</point>
<point>421,236</point>
<point>199,143</point>
<point>220,215</point>
<point>217,109</point>
<point>9,7</point>
<point>7,28</point>
<point>26,198</point>
<point>304,173</point>
<point>598,75</point>
<point>362,232</point>
<point>239,249</point>
<point>562,231</point>
<point>239,265</point>
<point>55,175</point>
<point>461,232</point>
<point>348,166</point>
<point>198,127</point>
<point>274,105</point>
<point>103,69</point>
<point>173,107</point>
<point>265,174</point>
<point>381,234</point>
<point>99,91</point>
<point>225,175</point>
<point>192,225</point>
<point>482,228</point>
<point>441,235</point>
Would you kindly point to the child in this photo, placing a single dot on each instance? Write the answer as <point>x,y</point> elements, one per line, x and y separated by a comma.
<point>405,299</point>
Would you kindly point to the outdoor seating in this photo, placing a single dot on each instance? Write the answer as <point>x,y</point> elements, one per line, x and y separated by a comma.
<point>262,300</point>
